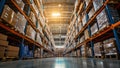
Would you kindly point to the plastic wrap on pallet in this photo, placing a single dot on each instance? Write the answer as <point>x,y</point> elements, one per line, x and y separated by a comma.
<point>110,46</point>
<point>39,39</point>
<point>97,4</point>
<point>35,7</point>
<point>91,13</point>
<point>87,2</point>
<point>82,38</point>
<point>21,22</point>
<point>86,33</point>
<point>113,12</point>
<point>97,49</point>
<point>7,14</point>
<point>20,3</point>
<point>33,18</point>
<point>30,32</point>
<point>84,21</point>
<point>94,28</point>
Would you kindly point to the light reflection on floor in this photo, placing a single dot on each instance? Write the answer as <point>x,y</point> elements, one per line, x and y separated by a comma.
<point>60,63</point>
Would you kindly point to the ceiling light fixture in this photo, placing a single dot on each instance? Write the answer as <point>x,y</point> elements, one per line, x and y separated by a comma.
<point>56,14</point>
<point>59,5</point>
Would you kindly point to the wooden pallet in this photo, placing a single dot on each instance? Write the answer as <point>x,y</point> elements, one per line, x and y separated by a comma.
<point>114,56</point>
<point>8,59</point>
<point>99,57</point>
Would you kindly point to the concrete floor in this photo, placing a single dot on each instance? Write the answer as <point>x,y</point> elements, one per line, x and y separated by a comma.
<point>61,63</point>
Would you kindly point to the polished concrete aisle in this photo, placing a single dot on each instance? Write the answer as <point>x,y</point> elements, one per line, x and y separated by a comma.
<point>61,63</point>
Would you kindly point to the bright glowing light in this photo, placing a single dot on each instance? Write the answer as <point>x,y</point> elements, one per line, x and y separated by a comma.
<point>59,5</point>
<point>56,14</point>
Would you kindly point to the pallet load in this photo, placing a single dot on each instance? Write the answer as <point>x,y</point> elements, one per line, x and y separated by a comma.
<point>21,22</point>
<point>94,29</point>
<point>33,18</point>
<point>86,33</point>
<point>83,51</point>
<point>3,45</point>
<point>7,14</point>
<point>98,49</point>
<point>12,51</point>
<point>38,39</point>
<point>20,3</point>
<point>110,48</point>
<point>30,32</point>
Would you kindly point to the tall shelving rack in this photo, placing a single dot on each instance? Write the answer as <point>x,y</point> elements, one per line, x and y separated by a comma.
<point>23,39</point>
<point>107,32</point>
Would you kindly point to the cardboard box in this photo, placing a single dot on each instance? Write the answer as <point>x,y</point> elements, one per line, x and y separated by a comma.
<point>21,22</point>
<point>20,3</point>
<point>94,28</point>
<point>30,32</point>
<point>3,37</point>
<point>14,20</point>
<point>87,2</point>
<point>3,43</point>
<point>13,48</point>
<point>33,18</point>
<point>86,33</point>
<point>2,51</point>
<point>7,14</point>
<point>12,54</point>
<point>38,38</point>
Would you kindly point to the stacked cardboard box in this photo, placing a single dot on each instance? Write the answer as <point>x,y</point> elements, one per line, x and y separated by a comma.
<point>20,3</point>
<point>30,32</point>
<point>98,49</point>
<point>3,45</point>
<point>94,28</point>
<point>21,22</point>
<point>12,51</point>
<point>110,46</point>
<point>33,18</point>
<point>7,14</point>
<point>102,20</point>
<point>89,52</point>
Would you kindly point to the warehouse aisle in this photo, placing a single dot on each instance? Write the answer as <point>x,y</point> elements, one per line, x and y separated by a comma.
<point>62,63</point>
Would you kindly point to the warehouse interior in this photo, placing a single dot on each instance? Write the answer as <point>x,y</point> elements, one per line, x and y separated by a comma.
<point>59,33</point>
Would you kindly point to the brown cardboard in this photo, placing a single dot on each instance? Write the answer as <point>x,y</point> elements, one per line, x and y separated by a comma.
<point>4,43</point>
<point>12,48</point>
<point>7,14</point>
<point>11,54</point>
<point>3,37</point>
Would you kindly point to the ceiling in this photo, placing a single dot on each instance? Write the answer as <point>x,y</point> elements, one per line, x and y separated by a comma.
<point>58,24</point>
